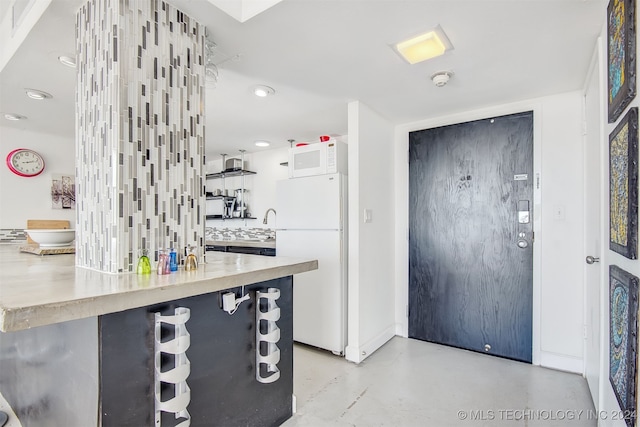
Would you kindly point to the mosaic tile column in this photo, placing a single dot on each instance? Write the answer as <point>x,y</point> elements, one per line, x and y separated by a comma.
<point>140,132</point>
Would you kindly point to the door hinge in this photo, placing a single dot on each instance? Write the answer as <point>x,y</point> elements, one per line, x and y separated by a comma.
<point>584,331</point>
<point>533,236</point>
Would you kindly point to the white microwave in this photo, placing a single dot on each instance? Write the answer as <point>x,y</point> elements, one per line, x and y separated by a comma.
<point>318,159</point>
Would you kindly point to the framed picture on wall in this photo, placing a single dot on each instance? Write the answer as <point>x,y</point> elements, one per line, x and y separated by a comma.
<point>623,186</point>
<point>621,54</point>
<point>63,191</point>
<point>623,332</point>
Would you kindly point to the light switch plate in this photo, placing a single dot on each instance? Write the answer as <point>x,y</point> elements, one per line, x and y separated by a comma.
<point>368,215</point>
<point>559,212</point>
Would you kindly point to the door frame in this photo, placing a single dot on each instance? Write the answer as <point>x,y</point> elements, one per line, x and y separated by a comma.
<point>401,178</point>
<point>598,65</point>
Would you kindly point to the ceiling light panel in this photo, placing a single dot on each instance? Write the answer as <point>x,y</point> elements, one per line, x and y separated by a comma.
<point>424,46</point>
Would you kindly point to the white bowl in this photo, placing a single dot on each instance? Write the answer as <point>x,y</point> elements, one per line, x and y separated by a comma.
<point>52,238</point>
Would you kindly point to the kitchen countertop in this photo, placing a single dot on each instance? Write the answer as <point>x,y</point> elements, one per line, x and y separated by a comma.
<point>42,290</point>
<point>246,243</point>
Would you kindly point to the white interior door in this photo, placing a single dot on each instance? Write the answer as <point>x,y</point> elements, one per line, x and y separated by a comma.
<point>593,232</point>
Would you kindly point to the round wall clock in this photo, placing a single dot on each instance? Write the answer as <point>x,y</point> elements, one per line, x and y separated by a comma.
<point>25,162</point>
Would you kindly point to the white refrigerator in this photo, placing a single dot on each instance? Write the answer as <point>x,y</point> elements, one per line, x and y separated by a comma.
<point>311,222</point>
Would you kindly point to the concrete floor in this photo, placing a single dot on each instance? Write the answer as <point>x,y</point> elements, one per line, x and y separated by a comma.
<point>413,383</point>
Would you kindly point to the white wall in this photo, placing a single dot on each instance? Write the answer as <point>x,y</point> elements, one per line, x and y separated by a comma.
<point>262,186</point>
<point>269,171</point>
<point>562,272</point>
<point>371,320</point>
<point>30,198</point>
<point>558,272</point>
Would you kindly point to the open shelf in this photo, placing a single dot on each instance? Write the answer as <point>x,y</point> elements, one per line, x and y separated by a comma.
<point>220,197</point>
<point>226,174</point>
<point>229,201</point>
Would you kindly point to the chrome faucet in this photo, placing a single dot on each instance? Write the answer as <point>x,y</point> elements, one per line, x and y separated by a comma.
<point>266,214</point>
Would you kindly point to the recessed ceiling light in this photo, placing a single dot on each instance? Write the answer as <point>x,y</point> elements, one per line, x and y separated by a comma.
<point>424,46</point>
<point>38,94</point>
<point>14,117</point>
<point>67,60</point>
<point>263,91</point>
<point>262,143</point>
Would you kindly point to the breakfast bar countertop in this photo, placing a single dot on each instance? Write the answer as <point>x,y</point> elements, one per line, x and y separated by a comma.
<point>42,290</point>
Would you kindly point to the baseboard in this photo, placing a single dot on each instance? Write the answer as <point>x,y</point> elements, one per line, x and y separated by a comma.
<point>358,354</point>
<point>562,362</point>
<point>351,354</point>
<point>402,330</point>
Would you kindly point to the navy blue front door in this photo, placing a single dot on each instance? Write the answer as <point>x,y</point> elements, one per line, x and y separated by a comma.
<point>471,235</point>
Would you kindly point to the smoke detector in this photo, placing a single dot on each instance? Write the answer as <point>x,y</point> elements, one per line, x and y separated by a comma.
<point>441,78</point>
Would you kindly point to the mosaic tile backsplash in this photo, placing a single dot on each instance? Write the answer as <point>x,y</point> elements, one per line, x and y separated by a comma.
<point>140,132</point>
<point>220,233</point>
<point>11,235</point>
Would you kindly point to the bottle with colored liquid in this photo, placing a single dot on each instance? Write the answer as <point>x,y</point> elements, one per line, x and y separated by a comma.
<point>167,263</point>
<point>173,260</point>
<point>191,263</point>
<point>163,262</point>
<point>144,266</point>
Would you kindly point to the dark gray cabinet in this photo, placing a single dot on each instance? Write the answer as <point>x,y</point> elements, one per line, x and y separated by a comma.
<point>242,250</point>
<point>222,380</point>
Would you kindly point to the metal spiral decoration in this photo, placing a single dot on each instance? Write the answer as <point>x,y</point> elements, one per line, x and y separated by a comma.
<point>267,336</point>
<point>179,374</point>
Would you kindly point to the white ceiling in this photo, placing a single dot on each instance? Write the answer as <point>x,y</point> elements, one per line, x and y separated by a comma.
<point>320,54</point>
